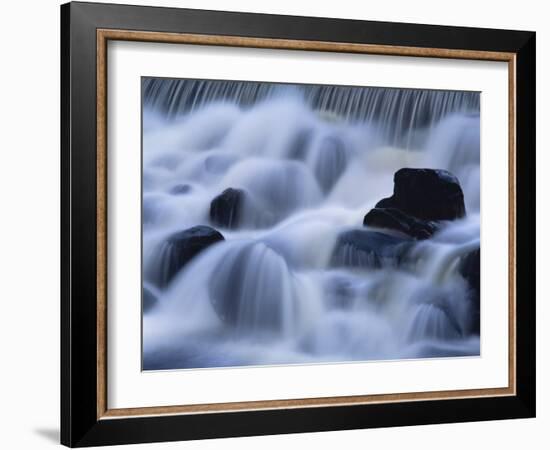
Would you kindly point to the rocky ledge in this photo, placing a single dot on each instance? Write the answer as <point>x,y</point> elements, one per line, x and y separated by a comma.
<point>421,199</point>
<point>226,209</point>
<point>179,248</point>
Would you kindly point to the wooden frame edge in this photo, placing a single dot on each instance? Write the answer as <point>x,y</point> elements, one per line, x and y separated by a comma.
<point>211,408</point>
<point>103,36</point>
<point>512,200</point>
<point>101,223</point>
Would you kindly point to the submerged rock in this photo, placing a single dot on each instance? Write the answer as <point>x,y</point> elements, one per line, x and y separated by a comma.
<point>149,300</point>
<point>339,292</point>
<point>253,290</point>
<point>362,248</point>
<point>180,189</point>
<point>153,208</point>
<point>273,189</point>
<point>396,219</point>
<point>436,312</point>
<point>469,268</point>
<point>331,161</point>
<point>433,321</point>
<point>426,194</point>
<point>299,144</point>
<point>181,247</point>
<point>219,163</point>
<point>226,209</point>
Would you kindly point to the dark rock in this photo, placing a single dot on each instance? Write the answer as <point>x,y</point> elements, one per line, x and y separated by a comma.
<point>226,208</point>
<point>181,247</point>
<point>362,248</point>
<point>396,219</point>
<point>149,300</point>
<point>469,268</point>
<point>426,194</point>
<point>180,189</point>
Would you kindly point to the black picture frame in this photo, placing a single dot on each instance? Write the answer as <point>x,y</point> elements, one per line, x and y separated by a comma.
<point>80,425</point>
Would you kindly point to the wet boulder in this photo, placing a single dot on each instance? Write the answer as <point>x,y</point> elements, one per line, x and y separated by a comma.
<point>395,219</point>
<point>226,209</point>
<point>181,247</point>
<point>469,268</point>
<point>426,194</point>
<point>371,249</point>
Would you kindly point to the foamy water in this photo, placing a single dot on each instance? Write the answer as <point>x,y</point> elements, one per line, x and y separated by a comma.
<point>312,170</point>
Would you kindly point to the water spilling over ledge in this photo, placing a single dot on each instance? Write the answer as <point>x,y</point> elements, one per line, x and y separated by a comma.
<point>394,110</point>
<point>266,239</point>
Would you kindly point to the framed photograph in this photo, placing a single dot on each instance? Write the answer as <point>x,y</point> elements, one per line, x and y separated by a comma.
<point>277,224</point>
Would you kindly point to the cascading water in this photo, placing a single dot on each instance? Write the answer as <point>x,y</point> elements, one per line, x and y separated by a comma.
<point>299,167</point>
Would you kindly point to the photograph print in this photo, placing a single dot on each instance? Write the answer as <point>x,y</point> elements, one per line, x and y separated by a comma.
<point>292,224</point>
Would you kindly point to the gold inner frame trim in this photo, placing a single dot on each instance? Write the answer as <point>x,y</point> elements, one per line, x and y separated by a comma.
<point>103,36</point>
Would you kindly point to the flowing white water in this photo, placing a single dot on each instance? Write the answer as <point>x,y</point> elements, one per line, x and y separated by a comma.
<point>313,161</point>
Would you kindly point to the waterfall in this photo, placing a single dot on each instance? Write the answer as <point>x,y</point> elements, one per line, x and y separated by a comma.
<point>392,109</point>
<point>285,282</point>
